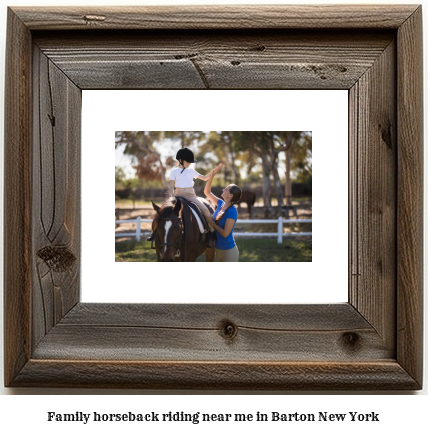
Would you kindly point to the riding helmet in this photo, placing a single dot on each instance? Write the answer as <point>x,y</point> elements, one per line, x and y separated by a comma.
<point>185,154</point>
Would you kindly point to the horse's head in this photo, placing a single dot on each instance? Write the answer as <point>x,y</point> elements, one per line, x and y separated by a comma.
<point>168,228</point>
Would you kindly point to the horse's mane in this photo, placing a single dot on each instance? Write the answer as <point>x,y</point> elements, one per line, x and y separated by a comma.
<point>166,209</point>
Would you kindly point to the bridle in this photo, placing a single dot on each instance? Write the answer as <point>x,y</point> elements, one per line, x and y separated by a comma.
<point>176,245</point>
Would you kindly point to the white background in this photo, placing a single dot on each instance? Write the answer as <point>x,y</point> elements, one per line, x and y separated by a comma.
<point>324,280</point>
<point>399,412</point>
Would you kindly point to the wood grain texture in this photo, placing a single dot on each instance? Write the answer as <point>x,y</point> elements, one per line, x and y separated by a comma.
<point>56,198</point>
<point>372,342</point>
<point>17,219</point>
<point>199,332</point>
<point>217,17</point>
<point>373,178</point>
<point>216,59</point>
<point>385,375</point>
<point>340,317</point>
<point>410,196</point>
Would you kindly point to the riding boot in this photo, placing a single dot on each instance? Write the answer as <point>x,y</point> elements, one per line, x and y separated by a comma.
<point>151,237</point>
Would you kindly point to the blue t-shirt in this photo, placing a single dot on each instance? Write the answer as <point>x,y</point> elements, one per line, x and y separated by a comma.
<point>227,243</point>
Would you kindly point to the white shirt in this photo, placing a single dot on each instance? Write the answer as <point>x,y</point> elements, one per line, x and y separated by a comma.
<point>185,179</point>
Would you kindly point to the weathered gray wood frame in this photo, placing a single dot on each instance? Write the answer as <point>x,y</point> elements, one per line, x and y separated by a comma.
<point>372,342</point>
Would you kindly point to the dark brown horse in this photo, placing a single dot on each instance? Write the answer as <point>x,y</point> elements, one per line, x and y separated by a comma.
<point>177,234</point>
<point>249,198</point>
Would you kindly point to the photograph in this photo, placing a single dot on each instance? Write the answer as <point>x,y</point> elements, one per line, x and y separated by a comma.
<point>233,191</point>
<point>223,196</point>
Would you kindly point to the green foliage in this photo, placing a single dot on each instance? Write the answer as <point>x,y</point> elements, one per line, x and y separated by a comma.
<point>133,251</point>
<point>257,154</point>
<point>186,139</point>
<point>301,158</point>
<point>141,145</point>
<point>250,250</point>
<point>268,250</point>
<point>119,176</point>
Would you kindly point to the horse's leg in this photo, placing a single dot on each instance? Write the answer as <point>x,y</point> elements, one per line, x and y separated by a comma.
<point>209,254</point>
<point>190,250</point>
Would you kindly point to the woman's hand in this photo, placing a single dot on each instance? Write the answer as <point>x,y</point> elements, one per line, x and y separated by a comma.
<point>210,175</point>
<point>207,190</point>
<point>210,220</point>
<point>228,226</point>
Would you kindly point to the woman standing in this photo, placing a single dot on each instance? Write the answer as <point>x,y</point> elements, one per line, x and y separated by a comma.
<point>224,219</point>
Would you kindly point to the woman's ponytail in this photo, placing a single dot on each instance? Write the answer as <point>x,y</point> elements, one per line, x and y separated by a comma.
<point>236,196</point>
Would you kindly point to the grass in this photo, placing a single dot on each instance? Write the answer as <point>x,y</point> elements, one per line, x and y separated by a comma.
<point>250,250</point>
<point>133,251</point>
<point>268,250</point>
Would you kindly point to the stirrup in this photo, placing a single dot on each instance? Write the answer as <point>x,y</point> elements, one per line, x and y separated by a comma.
<point>151,237</point>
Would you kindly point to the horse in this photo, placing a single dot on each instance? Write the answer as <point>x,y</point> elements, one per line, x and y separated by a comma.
<point>177,234</point>
<point>250,199</point>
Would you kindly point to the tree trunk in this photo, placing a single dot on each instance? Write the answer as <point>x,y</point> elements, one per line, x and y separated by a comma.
<point>277,184</point>
<point>287,177</point>
<point>266,191</point>
<point>232,156</point>
<point>235,171</point>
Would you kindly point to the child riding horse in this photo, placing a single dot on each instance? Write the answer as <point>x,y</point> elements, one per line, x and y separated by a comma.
<point>182,178</point>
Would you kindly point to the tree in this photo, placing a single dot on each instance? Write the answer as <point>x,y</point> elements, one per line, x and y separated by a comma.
<point>301,163</point>
<point>298,158</point>
<point>289,138</point>
<point>222,144</point>
<point>186,138</point>
<point>119,176</point>
<point>265,146</point>
<point>128,188</point>
<point>280,143</point>
<point>141,145</point>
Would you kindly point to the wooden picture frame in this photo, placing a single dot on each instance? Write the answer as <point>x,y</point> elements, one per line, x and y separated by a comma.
<point>372,342</point>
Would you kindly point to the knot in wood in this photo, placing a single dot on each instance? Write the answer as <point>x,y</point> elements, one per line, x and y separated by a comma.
<point>351,340</point>
<point>228,330</point>
<point>58,259</point>
<point>386,134</point>
<point>89,18</point>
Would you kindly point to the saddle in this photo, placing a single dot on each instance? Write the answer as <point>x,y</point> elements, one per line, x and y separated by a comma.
<point>198,213</point>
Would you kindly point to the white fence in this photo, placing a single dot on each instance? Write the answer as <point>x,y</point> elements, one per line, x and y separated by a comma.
<point>279,234</point>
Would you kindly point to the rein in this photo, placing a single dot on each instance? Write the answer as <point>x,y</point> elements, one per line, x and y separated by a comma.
<point>176,245</point>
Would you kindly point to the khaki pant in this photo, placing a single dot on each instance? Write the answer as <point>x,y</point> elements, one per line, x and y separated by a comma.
<point>231,255</point>
<point>189,193</point>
